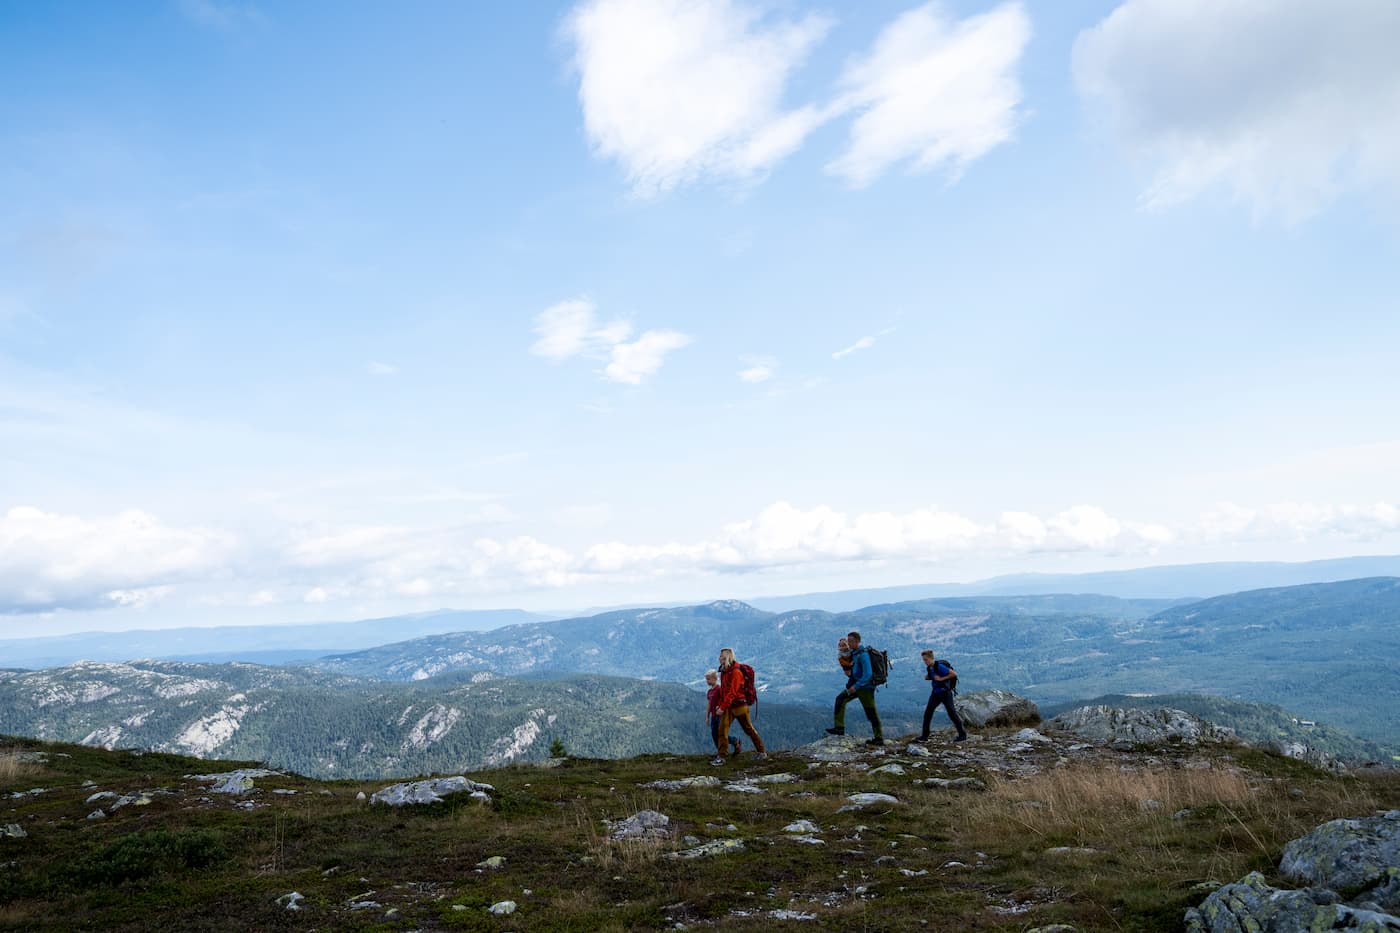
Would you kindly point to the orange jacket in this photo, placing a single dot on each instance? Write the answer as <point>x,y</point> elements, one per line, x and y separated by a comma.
<point>731,687</point>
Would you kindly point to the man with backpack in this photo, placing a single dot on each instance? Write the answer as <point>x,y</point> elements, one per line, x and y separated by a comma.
<point>944,685</point>
<point>861,687</point>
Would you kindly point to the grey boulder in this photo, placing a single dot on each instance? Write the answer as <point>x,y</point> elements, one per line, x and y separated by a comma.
<point>1126,728</point>
<point>1250,904</point>
<point>1359,855</point>
<point>996,708</point>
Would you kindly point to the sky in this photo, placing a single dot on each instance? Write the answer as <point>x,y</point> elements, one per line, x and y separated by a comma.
<point>338,310</point>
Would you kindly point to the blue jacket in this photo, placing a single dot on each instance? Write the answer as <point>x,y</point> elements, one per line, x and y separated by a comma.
<point>860,668</point>
<point>941,668</point>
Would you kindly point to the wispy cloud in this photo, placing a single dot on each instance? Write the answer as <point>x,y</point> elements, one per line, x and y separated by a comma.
<point>933,92</point>
<point>220,15</point>
<point>757,369</point>
<point>570,328</point>
<point>677,90</point>
<point>382,369</point>
<point>1283,105</point>
<point>864,343</point>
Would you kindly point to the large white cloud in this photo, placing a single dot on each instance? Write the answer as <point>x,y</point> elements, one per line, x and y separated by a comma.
<point>680,89</point>
<point>50,561</point>
<point>933,92</point>
<point>1283,103</point>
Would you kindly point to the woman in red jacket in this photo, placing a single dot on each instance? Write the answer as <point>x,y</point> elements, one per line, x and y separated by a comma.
<point>732,706</point>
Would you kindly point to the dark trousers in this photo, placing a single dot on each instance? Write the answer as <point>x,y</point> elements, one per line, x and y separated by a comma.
<point>943,698</point>
<point>867,702</point>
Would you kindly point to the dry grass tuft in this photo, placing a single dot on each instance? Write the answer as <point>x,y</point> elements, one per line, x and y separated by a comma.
<point>1096,803</point>
<point>14,768</point>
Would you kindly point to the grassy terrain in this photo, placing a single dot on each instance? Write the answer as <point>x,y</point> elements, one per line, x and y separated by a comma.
<point>193,860</point>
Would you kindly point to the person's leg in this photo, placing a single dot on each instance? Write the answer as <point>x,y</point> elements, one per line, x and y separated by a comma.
<point>867,702</point>
<point>714,730</point>
<point>839,715</point>
<point>722,743</point>
<point>929,707</point>
<point>953,715</point>
<point>746,723</point>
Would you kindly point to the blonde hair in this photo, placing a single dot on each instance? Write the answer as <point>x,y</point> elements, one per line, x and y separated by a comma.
<point>711,673</point>
<point>726,657</point>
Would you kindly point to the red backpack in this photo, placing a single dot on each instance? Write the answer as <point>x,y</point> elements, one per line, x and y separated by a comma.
<point>750,692</point>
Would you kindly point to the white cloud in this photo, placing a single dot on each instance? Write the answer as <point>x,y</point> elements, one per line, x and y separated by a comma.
<point>1283,103</point>
<point>864,343</point>
<point>757,369</point>
<point>222,16</point>
<point>570,328</point>
<point>632,362</point>
<point>382,369</point>
<point>676,90</point>
<point>50,561</point>
<point>933,91</point>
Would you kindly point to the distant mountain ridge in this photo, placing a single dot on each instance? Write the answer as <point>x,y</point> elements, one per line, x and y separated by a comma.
<point>269,643</point>
<point>1326,651</point>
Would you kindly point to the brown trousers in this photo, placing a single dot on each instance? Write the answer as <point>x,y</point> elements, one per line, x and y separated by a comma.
<point>739,714</point>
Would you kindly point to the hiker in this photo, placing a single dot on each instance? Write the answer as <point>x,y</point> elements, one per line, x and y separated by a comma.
<point>858,687</point>
<point>943,678</point>
<point>733,705</point>
<point>711,698</point>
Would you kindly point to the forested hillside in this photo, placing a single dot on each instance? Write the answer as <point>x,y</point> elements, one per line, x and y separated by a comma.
<point>330,725</point>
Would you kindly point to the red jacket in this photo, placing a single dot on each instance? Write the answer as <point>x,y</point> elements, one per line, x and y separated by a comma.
<point>731,688</point>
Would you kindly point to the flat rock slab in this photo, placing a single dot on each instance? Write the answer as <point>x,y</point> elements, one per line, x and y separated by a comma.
<point>233,782</point>
<point>700,780</point>
<point>432,791</point>
<point>1127,728</point>
<point>834,748</point>
<point>717,847</point>
<point>860,801</point>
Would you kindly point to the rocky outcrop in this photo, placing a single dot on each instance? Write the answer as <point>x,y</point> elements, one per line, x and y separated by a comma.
<point>1351,867</point>
<point>996,708</point>
<point>648,824</point>
<point>1303,752</point>
<point>1251,904</point>
<point>1360,856</point>
<point>424,792</point>
<point>1128,728</point>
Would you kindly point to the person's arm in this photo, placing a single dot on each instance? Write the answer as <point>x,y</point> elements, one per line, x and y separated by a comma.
<point>928,672</point>
<point>946,677</point>
<point>860,672</point>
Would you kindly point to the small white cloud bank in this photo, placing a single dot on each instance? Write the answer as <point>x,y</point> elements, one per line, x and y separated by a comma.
<point>757,369</point>
<point>1283,104</point>
<point>50,561</point>
<point>571,328</point>
<point>934,92</point>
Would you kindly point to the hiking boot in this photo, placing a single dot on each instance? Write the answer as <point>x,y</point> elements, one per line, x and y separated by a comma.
<point>874,741</point>
<point>735,744</point>
<point>716,760</point>
<point>961,738</point>
<point>922,738</point>
<point>760,756</point>
<point>835,731</point>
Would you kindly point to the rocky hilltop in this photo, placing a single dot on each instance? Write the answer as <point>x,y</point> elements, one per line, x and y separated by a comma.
<point>1100,819</point>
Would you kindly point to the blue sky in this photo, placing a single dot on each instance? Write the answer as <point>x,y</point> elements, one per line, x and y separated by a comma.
<point>336,310</point>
